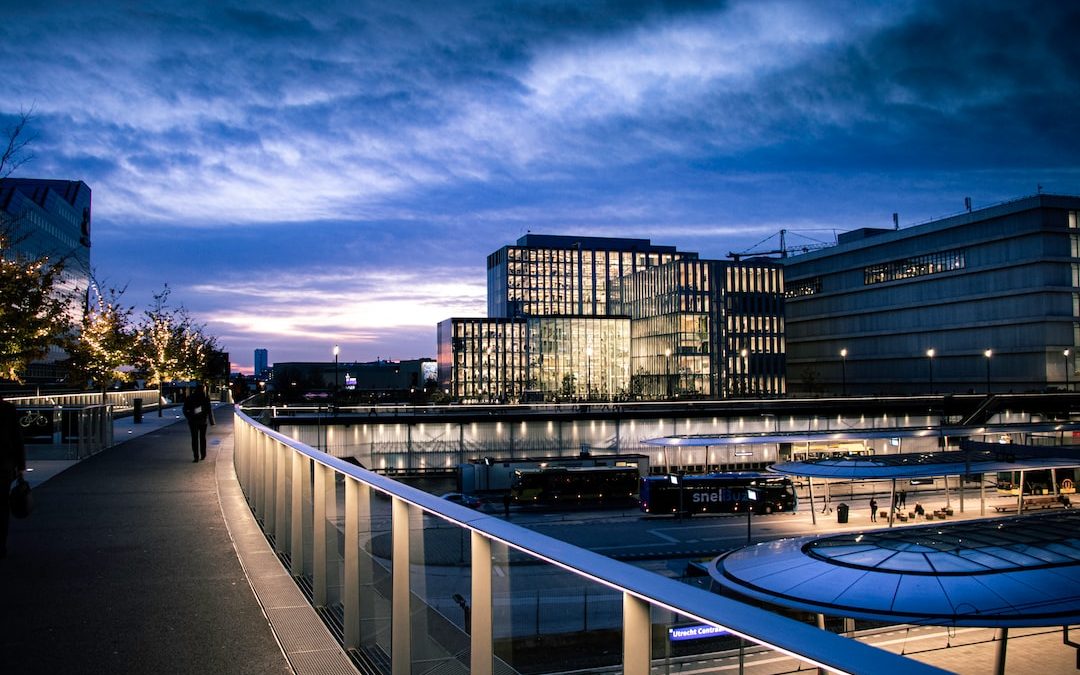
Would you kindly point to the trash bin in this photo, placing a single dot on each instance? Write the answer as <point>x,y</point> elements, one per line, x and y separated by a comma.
<point>841,513</point>
<point>136,410</point>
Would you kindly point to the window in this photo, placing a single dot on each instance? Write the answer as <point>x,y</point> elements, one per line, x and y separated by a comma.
<point>917,266</point>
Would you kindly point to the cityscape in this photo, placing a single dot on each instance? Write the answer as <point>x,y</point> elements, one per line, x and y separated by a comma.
<point>640,338</point>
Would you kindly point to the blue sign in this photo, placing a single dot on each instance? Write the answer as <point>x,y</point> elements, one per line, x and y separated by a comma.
<point>695,632</point>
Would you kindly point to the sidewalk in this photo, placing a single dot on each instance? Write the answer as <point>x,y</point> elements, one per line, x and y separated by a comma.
<point>129,564</point>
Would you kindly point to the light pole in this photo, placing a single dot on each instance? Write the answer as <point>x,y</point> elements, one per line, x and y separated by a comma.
<point>988,353</point>
<point>336,351</point>
<point>589,372</point>
<point>1066,353</point>
<point>744,353</point>
<point>667,374</point>
<point>843,371</point>
<point>930,362</point>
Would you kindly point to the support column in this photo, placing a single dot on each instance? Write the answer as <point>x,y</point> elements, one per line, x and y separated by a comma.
<point>637,636</point>
<point>892,502</point>
<point>400,610</point>
<point>481,628</point>
<point>1020,495</point>
<point>1002,646</point>
<point>982,494</point>
<point>813,511</point>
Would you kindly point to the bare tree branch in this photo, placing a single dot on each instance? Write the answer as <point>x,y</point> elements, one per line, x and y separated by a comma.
<point>17,138</point>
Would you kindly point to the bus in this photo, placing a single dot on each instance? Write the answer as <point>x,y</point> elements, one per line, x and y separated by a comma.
<point>717,493</point>
<point>572,486</point>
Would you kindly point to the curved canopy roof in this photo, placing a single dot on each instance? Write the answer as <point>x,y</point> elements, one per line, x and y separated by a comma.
<point>1018,571</point>
<point>922,464</point>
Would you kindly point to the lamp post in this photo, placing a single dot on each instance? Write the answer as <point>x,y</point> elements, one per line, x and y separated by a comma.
<point>337,350</point>
<point>930,362</point>
<point>988,353</point>
<point>588,372</point>
<point>744,353</point>
<point>843,371</point>
<point>1066,354</point>
<point>667,374</point>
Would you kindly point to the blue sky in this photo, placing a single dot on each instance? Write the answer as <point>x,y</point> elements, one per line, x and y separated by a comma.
<point>309,174</point>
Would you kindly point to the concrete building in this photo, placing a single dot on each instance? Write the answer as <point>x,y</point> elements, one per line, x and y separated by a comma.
<point>984,300</point>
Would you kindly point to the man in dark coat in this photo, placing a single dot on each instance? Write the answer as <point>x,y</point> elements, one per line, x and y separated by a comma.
<point>12,464</point>
<point>198,412</point>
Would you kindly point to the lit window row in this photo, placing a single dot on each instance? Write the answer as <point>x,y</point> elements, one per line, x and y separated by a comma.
<point>917,266</point>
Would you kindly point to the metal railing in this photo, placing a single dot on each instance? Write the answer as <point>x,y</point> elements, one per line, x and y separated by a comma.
<point>410,580</point>
<point>121,400</point>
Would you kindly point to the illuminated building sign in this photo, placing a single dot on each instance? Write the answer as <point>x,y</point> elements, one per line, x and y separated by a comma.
<point>695,632</point>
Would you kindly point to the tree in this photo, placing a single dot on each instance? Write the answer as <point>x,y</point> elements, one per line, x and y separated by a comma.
<point>33,307</point>
<point>106,340</point>
<point>14,152</point>
<point>170,345</point>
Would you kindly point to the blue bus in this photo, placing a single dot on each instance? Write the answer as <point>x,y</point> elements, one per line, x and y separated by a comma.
<point>735,492</point>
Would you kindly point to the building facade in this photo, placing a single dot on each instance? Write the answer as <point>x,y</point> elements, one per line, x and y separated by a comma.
<point>262,361</point>
<point>545,275</point>
<point>706,328</point>
<point>591,318</point>
<point>984,300</point>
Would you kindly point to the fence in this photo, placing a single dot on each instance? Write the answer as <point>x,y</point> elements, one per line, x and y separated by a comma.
<point>413,583</point>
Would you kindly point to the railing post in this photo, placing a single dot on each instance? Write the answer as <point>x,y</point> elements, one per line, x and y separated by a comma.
<point>258,485</point>
<point>351,594</point>
<point>324,480</point>
<point>296,552</point>
<point>281,502</point>
<point>269,486</point>
<point>480,628</point>
<point>400,610</point>
<point>637,636</point>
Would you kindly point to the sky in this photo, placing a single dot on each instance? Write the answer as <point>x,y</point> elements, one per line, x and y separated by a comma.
<point>305,174</point>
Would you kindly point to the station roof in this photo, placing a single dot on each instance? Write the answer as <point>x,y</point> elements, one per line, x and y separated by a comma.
<point>925,464</point>
<point>1002,572</point>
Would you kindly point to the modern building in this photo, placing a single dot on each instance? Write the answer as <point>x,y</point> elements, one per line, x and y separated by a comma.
<point>50,218</point>
<point>592,318</point>
<point>706,328</point>
<point>546,275</point>
<point>392,380</point>
<point>261,363</point>
<point>985,300</point>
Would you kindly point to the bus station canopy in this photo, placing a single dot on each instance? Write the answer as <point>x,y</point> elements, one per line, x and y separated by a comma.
<point>1002,572</point>
<point>973,458</point>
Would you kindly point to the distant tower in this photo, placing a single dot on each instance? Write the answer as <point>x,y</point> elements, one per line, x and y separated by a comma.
<point>260,362</point>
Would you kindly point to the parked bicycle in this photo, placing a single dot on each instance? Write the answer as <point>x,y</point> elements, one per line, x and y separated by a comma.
<point>33,418</point>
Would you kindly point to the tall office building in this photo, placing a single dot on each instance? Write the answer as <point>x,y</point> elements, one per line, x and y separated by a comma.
<point>261,363</point>
<point>551,275</point>
<point>584,318</point>
<point>987,299</point>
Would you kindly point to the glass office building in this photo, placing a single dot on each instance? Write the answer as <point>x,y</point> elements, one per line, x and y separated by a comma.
<point>482,360</point>
<point>546,275</point>
<point>706,328</point>
<point>578,358</point>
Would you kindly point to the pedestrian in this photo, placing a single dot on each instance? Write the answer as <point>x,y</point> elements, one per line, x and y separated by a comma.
<point>198,412</point>
<point>902,501</point>
<point>12,464</point>
<point>506,504</point>
<point>873,510</point>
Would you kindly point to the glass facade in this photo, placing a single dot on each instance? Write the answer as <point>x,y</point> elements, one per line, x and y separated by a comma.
<point>706,328</point>
<point>482,360</point>
<point>917,266</point>
<point>578,358</point>
<point>547,275</point>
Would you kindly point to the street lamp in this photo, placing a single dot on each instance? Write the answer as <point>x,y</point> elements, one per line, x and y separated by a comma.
<point>336,351</point>
<point>743,381</point>
<point>667,374</point>
<point>1067,369</point>
<point>843,371</point>
<point>988,353</point>
<point>930,362</point>
<point>588,371</point>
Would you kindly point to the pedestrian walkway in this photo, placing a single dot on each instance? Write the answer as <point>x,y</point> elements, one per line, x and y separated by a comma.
<point>138,560</point>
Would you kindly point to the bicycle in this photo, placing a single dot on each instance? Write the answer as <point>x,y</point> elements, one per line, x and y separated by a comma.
<point>33,417</point>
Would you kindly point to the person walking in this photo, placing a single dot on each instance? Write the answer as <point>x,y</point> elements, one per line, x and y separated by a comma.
<point>12,464</point>
<point>198,412</point>
<point>873,510</point>
<point>901,501</point>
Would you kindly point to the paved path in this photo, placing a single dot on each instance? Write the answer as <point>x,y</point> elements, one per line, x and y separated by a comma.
<point>127,565</point>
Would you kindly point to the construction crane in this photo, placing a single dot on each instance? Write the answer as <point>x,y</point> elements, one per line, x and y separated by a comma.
<point>783,251</point>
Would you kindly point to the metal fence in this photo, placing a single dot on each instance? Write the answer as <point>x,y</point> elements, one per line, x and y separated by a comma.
<point>413,583</point>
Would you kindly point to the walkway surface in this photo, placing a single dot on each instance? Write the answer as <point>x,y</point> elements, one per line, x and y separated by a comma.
<point>129,564</point>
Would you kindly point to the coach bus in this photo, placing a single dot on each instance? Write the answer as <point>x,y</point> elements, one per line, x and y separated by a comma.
<point>717,493</point>
<point>598,485</point>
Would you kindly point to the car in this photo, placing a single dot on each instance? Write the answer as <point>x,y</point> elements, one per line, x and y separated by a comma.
<point>465,500</point>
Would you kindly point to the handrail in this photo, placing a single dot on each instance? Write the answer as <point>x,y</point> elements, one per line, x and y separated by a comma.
<point>799,640</point>
<point>121,399</point>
